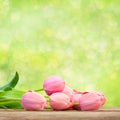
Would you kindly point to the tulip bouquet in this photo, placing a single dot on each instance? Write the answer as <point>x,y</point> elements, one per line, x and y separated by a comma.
<point>59,96</point>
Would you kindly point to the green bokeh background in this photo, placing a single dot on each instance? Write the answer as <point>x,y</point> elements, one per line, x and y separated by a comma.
<point>78,40</point>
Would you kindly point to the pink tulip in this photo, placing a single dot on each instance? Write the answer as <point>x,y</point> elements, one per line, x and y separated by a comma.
<point>90,101</point>
<point>60,101</point>
<point>102,97</point>
<point>53,84</point>
<point>33,101</point>
<point>76,98</point>
<point>68,91</point>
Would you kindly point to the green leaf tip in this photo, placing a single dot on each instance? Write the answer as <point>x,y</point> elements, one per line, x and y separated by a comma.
<point>11,84</point>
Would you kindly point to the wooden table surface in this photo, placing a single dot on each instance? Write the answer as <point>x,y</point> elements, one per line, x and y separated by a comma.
<point>102,114</point>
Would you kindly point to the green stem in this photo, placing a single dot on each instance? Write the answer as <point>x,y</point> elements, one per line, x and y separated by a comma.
<point>76,104</point>
<point>46,96</point>
<point>48,107</point>
<point>9,99</point>
<point>39,90</point>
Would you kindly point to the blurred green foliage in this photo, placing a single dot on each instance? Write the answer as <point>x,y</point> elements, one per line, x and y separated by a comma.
<point>78,40</point>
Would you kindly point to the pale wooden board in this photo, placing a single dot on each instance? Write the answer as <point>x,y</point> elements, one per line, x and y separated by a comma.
<point>102,114</point>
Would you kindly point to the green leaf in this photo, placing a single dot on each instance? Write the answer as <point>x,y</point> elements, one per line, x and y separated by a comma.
<point>11,99</point>
<point>10,104</point>
<point>11,94</point>
<point>11,84</point>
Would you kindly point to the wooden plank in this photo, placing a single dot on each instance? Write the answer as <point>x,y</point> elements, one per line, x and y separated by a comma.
<point>102,114</point>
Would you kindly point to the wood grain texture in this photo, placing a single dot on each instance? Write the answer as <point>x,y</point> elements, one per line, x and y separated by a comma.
<point>102,114</point>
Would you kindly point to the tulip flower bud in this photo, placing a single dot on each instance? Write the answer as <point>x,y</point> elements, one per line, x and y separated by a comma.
<point>76,98</point>
<point>90,101</point>
<point>53,84</point>
<point>102,97</point>
<point>68,91</point>
<point>33,101</point>
<point>60,101</point>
